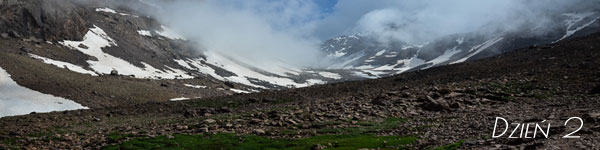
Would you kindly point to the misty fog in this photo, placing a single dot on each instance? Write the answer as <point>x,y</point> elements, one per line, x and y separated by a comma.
<point>265,32</point>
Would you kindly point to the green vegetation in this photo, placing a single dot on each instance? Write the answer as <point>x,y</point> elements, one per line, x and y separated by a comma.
<point>116,136</point>
<point>367,127</point>
<point>249,142</point>
<point>452,146</point>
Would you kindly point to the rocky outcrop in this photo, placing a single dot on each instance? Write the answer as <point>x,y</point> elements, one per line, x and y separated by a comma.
<point>48,19</point>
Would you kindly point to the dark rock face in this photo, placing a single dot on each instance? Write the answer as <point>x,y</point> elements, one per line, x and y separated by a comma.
<point>47,19</point>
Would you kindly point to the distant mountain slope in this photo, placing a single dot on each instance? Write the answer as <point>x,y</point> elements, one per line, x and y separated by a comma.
<point>371,58</point>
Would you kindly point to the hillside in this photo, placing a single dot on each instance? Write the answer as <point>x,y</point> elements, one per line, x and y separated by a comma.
<point>454,104</point>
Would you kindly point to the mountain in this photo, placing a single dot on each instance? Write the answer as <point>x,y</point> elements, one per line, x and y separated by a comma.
<point>452,106</point>
<point>371,58</point>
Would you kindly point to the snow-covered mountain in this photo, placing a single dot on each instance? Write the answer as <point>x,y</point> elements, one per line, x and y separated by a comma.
<point>370,58</point>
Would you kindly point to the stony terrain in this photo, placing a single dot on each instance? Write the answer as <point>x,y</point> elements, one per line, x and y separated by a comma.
<point>451,105</point>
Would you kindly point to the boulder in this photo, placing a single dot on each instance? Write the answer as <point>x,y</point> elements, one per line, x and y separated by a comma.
<point>435,104</point>
<point>114,72</point>
<point>259,131</point>
<point>4,35</point>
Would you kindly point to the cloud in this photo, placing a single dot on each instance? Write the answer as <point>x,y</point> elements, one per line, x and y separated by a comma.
<point>257,32</point>
<point>260,32</point>
<point>420,21</point>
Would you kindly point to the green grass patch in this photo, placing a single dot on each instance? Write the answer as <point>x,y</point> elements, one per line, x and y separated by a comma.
<point>251,142</point>
<point>366,127</point>
<point>116,136</point>
<point>453,146</point>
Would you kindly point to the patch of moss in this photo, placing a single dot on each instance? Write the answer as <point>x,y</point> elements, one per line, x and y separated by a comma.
<point>453,146</point>
<point>116,136</point>
<point>367,127</point>
<point>249,142</point>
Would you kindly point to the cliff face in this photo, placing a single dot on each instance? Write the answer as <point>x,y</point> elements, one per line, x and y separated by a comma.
<point>47,19</point>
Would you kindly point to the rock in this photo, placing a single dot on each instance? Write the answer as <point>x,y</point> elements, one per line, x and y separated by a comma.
<point>114,72</point>
<point>318,147</point>
<point>203,130</point>
<point>435,105</point>
<point>164,84</point>
<point>380,101</point>
<point>253,100</point>
<point>15,34</point>
<point>268,100</point>
<point>595,90</point>
<point>444,91</point>
<point>190,113</point>
<point>4,35</point>
<point>229,84</point>
<point>170,137</point>
<point>182,127</point>
<point>259,131</point>
<point>591,117</point>
<point>83,46</point>
<point>210,121</point>
<point>225,110</point>
<point>26,49</point>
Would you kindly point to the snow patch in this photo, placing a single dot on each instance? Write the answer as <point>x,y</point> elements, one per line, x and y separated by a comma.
<point>195,86</point>
<point>144,32</point>
<point>96,39</point>
<point>479,48</point>
<point>108,10</point>
<point>18,100</point>
<point>179,99</point>
<point>443,58</point>
<point>379,53</point>
<point>64,65</point>
<point>239,91</point>
<point>330,75</point>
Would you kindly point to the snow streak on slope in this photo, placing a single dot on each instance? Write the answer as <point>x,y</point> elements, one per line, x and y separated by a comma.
<point>330,75</point>
<point>443,58</point>
<point>479,48</point>
<point>18,100</point>
<point>108,10</point>
<point>64,65</point>
<point>96,39</point>
<point>195,86</point>
<point>574,19</point>
<point>242,74</point>
<point>179,99</point>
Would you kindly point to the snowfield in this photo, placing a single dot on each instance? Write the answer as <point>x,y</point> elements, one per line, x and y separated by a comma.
<point>243,74</point>
<point>96,39</point>
<point>18,100</point>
